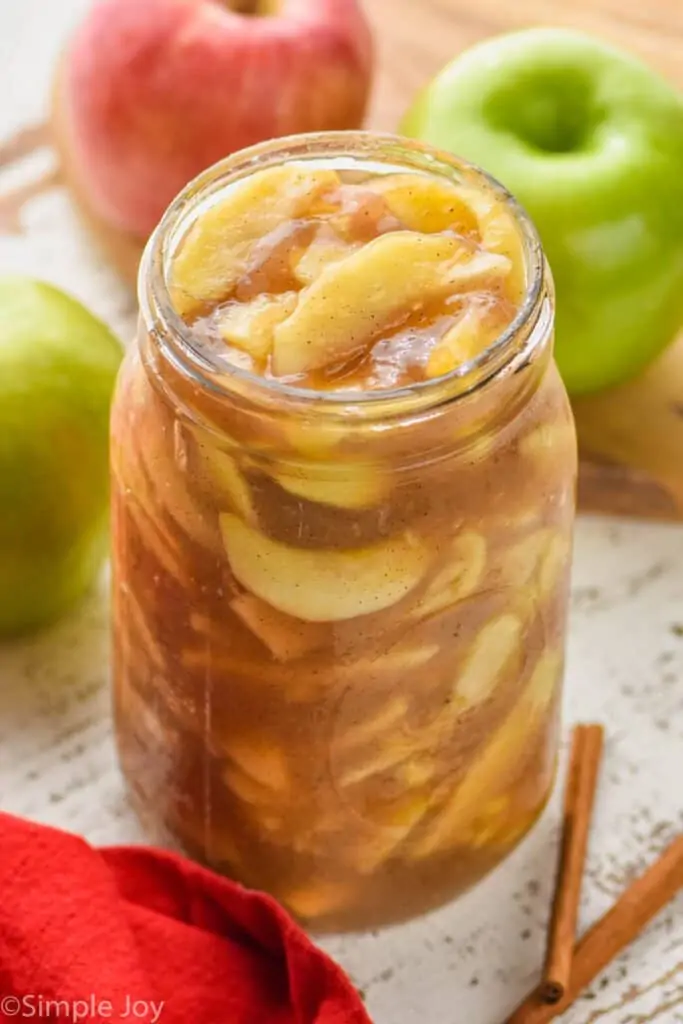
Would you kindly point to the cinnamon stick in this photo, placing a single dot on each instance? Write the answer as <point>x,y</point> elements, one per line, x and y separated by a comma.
<point>642,901</point>
<point>582,778</point>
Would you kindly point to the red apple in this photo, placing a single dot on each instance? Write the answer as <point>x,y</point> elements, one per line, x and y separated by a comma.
<point>152,92</point>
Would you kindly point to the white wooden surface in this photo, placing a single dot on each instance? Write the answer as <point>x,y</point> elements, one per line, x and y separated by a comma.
<point>470,962</point>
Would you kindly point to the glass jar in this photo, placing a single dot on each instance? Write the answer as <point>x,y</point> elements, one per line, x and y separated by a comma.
<point>339,619</point>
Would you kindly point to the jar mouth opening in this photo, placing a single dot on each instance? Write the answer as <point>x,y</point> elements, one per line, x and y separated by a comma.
<point>190,356</point>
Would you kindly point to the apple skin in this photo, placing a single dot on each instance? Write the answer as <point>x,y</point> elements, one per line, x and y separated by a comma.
<point>156,91</point>
<point>590,141</point>
<point>58,364</point>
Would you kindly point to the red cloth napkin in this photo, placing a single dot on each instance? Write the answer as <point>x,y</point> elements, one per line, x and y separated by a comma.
<point>135,934</point>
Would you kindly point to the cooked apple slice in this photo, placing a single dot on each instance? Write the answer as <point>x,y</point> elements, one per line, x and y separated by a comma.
<point>496,766</point>
<point>314,440</point>
<point>491,820</point>
<point>404,812</point>
<point>500,234</point>
<point>162,453</point>
<point>475,271</point>
<point>404,755</point>
<point>462,573</point>
<point>463,341</point>
<point>139,634</point>
<point>554,565</point>
<point>323,586</point>
<point>551,444</point>
<point>260,760</point>
<point>355,298</point>
<point>285,637</point>
<point>221,476</point>
<point>398,661</point>
<point>520,563</point>
<point>249,326</point>
<point>387,757</point>
<point>318,899</point>
<point>492,652</point>
<point>366,855</point>
<point>390,716</point>
<point>159,541</point>
<point>539,560</point>
<point>424,203</point>
<point>249,791</point>
<point>344,486</point>
<point>326,248</point>
<point>215,253</point>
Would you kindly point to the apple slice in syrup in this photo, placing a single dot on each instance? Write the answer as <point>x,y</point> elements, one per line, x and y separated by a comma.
<point>323,585</point>
<point>214,254</point>
<point>378,286</point>
<point>249,326</point>
<point>425,203</point>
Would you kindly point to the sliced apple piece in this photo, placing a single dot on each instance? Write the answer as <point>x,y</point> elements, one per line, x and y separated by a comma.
<point>215,253</point>
<point>355,298</point>
<point>384,759</point>
<point>326,248</point>
<point>260,760</point>
<point>551,444</point>
<point>483,268</point>
<point>249,326</point>
<point>133,620</point>
<point>314,440</point>
<point>163,454</point>
<point>496,766</point>
<point>223,478</point>
<point>285,637</point>
<point>520,563</point>
<point>403,756</point>
<point>467,338</point>
<point>159,541</point>
<point>343,486</point>
<point>249,791</point>
<point>404,812</point>
<point>396,662</point>
<point>424,203</point>
<point>554,565</point>
<point>500,234</point>
<point>460,576</point>
<point>492,652</point>
<point>390,716</point>
<point>323,586</point>
<point>462,342</point>
<point>317,900</point>
<point>366,855</point>
<point>538,561</point>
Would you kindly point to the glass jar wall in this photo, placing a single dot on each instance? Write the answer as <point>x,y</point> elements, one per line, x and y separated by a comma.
<point>339,617</point>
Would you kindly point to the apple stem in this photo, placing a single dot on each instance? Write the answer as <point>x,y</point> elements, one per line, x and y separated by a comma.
<point>245,6</point>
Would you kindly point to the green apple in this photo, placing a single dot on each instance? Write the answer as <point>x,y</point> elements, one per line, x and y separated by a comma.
<point>58,364</point>
<point>590,141</point>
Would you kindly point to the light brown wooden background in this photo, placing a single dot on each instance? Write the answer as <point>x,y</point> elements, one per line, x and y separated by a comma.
<point>416,37</point>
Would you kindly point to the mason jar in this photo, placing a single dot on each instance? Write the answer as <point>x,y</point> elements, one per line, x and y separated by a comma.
<point>339,618</point>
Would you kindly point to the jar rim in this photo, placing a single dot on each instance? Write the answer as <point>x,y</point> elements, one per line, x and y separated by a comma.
<point>513,347</point>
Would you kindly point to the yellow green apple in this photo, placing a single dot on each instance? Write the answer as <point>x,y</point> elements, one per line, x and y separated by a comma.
<point>590,141</point>
<point>58,364</point>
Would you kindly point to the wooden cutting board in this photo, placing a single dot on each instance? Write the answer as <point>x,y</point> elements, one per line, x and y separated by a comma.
<point>631,438</point>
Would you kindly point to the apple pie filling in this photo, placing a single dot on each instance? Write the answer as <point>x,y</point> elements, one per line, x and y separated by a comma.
<point>339,604</point>
<point>307,277</point>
